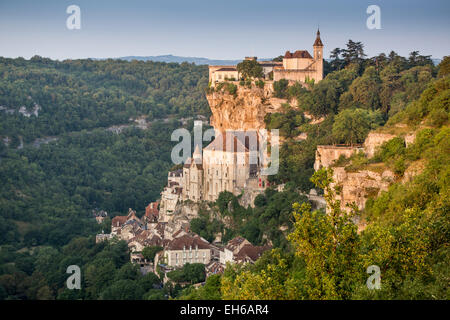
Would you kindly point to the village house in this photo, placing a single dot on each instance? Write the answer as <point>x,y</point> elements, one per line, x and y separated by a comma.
<point>240,250</point>
<point>171,195</point>
<point>189,248</point>
<point>222,73</point>
<point>99,215</point>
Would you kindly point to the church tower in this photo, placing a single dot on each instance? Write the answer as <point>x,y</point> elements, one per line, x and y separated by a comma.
<point>318,56</point>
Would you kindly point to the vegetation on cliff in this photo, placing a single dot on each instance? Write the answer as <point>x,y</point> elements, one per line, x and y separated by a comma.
<point>407,233</point>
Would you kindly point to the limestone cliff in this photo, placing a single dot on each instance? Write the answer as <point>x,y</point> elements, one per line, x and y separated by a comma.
<point>244,110</point>
<point>360,185</point>
<point>374,140</point>
<point>357,186</point>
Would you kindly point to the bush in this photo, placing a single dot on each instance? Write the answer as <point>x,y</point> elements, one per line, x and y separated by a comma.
<point>391,149</point>
<point>260,84</point>
<point>281,88</point>
<point>438,117</point>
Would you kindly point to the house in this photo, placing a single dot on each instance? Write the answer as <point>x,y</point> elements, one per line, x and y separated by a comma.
<point>99,215</point>
<point>240,250</point>
<point>151,212</point>
<point>188,248</point>
<point>171,194</point>
<point>222,73</point>
<point>214,267</point>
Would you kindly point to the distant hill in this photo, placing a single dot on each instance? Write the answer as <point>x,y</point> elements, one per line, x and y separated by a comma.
<point>178,59</point>
<point>199,60</point>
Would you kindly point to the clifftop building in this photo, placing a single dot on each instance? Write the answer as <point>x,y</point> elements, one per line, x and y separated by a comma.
<point>296,66</point>
<point>301,66</point>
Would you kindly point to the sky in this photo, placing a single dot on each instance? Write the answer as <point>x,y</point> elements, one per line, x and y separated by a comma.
<point>219,29</point>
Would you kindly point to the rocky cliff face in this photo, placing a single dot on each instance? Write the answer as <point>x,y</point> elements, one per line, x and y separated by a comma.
<point>243,111</point>
<point>374,140</point>
<point>359,186</point>
<point>327,155</point>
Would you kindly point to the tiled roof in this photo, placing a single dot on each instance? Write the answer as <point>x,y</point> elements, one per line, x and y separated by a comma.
<point>233,244</point>
<point>227,69</point>
<point>118,221</point>
<point>250,253</point>
<point>298,54</point>
<point>188,241</point>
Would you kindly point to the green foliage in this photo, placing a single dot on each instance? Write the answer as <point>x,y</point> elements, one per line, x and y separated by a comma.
<point>250,69</point>
<point>190,272</point>
<point>52,188</point>
<point>391,149</point>
<point>280,88</point>
<point>210,291</point>
<point>444,67</point>
<point>352,125</point>
<point>106,272</point>
<point>150,252</point>
<point>206,227</point>
<point>259,84</point>
<point>86,94</point>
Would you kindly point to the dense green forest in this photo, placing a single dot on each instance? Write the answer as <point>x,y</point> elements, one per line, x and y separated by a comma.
<point>85,94</point>
<point>48,192</point>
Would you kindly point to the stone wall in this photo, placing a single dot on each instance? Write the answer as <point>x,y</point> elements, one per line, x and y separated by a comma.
<point>374,140</point>
<point>358,186</point>
<point>327,155</point>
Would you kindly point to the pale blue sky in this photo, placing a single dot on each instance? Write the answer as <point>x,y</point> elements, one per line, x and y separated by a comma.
<point>218,29</point>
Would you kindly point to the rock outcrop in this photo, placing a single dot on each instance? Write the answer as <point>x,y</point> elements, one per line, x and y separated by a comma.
<point>359,186</point>
<point>244,110</point>
<point>374,140</point>
<point>327,155</point>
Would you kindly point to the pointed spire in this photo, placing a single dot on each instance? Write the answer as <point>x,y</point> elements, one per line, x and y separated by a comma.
<point>197,156</point>
<point>318,42</point>
<point>197,151</point>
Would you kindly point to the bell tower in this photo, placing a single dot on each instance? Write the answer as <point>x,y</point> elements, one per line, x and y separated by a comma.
<point>318,56</point>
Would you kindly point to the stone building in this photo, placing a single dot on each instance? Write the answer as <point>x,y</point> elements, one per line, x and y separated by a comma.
<point>240,250</point>
<point>171,194</point>
<point>222,73</point>
<point>187,249</point>
<point>296,66</point>
<point>231,162</point>
<point>301,66</point>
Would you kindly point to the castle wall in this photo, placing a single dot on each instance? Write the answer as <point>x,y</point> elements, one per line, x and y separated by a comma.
<point>296,63</point>
<point>327,155</point>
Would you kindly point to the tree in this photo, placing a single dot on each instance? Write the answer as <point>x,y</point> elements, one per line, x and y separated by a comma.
<point>328,243</point>
<point>444,67</point>
<point>190,272</point>
<point>250,69</point>
<point>280,88</point>
<point>354,52</point>
<point>352,125</point>
<point>365,91</point>
<point>123,290</point>
<point>336,61</point>
<point>150,252</point>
